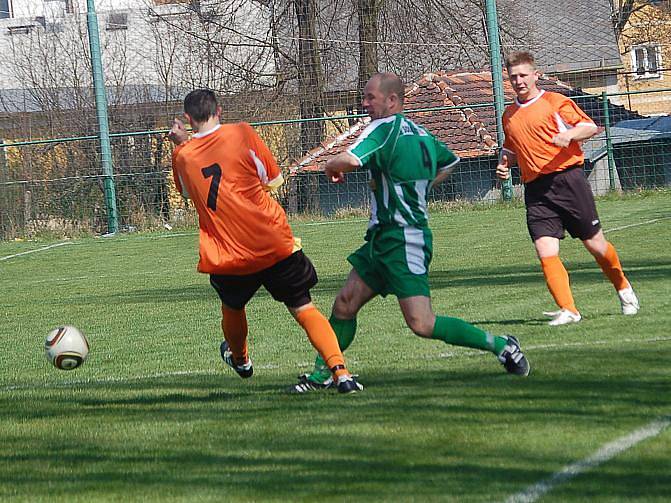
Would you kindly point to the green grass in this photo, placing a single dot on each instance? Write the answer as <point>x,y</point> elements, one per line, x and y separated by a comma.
<point>153,415</point>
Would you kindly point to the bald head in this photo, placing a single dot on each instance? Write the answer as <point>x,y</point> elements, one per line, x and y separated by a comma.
<point>390,83</point>
<point>383,95</point>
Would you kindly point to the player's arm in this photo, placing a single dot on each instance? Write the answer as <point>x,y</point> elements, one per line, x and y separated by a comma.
<point>507,159</point>
<point>447,162</point>
<point>337,166</point>
<point>582,126</point>
<point>179,136</point>
<point>266,166</point>
<point>370,140</point>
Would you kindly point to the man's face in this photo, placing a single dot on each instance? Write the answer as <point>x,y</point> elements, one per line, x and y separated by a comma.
<point>523,78</point>
<point>374,101</point>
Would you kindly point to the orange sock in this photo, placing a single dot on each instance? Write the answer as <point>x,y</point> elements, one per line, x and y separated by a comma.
<point>323,338</point>
<point>234,326</point>
<point>610,265</point>
<point>557,280</point>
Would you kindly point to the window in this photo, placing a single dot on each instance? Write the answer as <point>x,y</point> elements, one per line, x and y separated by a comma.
<point>58,8</point>
<point>646,61</point>
<point>5,9</point>
<point>117,21</point>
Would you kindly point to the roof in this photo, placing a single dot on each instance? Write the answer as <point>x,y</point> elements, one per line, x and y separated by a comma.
<point>571,36</point>
<point>629,131</point>
<point>469,131</point>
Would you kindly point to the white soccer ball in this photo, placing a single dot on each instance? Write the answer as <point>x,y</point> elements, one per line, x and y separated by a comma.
<point>66,347</point>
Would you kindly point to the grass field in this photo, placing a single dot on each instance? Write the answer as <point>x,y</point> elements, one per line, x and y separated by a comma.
<point>154,415</point>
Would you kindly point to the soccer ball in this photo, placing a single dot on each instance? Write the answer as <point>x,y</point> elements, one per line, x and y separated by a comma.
<point>66,347</point>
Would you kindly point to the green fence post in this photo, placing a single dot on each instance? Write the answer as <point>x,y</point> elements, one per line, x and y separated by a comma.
<point>609,141</point>
<point>497,84</point>
<point>103,121</point>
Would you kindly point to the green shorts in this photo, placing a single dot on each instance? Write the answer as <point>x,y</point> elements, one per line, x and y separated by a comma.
<point>395,260</point>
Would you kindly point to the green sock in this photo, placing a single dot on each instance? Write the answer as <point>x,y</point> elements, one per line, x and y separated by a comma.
<point>460,333</point>
<point>344,330</point>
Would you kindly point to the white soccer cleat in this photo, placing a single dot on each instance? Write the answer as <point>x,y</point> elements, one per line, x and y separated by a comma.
<point>628,301</point>
<point>562,317</point>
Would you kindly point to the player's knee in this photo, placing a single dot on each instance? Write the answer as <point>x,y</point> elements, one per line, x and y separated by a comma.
<point>420,326</point>
<point>344,307</point>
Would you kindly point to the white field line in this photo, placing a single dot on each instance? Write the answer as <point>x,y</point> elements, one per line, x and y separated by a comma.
<point>7,257</point>
<point>647,222</point>
<point>106,380</point>
<point>604,454</point>
<point>470,353</point>
<point>333,222</point>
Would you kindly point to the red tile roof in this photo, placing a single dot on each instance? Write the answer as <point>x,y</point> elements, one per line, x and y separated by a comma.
<point>469,132</point>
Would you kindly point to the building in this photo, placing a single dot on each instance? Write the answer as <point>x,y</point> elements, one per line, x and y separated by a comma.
<point>644,37</point>
<point>169,43</point>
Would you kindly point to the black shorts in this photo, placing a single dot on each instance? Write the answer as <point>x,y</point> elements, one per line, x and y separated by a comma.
<point>561,201</point>
<point>288,281</point>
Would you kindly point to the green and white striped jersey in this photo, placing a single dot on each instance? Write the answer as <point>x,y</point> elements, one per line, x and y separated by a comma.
<point>403,159</point>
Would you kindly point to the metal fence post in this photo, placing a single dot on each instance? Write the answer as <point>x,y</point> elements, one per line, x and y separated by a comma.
<point>609,141</point>
<point>103,121</point>
<point>497,84</point>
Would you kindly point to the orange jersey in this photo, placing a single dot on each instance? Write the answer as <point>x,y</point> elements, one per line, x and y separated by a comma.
<point>227,173</point>
<point>530,127</point>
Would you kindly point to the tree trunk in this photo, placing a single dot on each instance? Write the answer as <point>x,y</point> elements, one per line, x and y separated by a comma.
<point>367,11</point>
<point>310,78</point>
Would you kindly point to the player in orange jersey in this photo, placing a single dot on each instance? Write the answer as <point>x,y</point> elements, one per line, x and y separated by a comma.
<point>245,239</point>
<point>543,134</point>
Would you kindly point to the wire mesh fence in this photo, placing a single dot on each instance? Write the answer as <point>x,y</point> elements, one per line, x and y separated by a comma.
<point>295,69</point>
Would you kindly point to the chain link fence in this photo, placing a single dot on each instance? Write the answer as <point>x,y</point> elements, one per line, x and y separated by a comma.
<point>295,69</point>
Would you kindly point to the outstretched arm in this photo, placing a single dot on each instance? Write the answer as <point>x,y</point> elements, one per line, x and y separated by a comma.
<point>337,166</point>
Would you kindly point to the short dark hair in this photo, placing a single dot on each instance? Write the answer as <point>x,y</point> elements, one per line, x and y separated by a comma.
<point>390,83</point>
<point>201,104</point>
<point>520,58</point>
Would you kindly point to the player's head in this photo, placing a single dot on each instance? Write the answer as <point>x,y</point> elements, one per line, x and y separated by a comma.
<point>523,75</point>
<point>200,106</point>
<point>383,95</point>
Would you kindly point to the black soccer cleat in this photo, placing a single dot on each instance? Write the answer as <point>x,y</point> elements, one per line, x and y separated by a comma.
<point>513,359</point>
<point>306,385</point>
<point>348,384</point>
<point>245,370</point>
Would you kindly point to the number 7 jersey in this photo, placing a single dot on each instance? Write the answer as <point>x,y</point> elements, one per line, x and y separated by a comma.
<point>227,173</point>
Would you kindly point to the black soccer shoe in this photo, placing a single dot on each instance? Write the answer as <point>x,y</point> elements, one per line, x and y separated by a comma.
<point>348,385</point>
<point>245,370</point>
<point>513,359</point>
<point>306,385</point>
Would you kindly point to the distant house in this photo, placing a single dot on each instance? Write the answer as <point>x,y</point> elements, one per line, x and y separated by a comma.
<point>469,130</point>
<point>574,42</point>
<point>645,47</point>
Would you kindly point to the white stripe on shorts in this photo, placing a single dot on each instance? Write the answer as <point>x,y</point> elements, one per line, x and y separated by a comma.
<point>414,249</point>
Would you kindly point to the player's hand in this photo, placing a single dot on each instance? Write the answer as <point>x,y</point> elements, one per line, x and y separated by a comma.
<point>562,139</point>
<point>503,168</point>
<point>178,133</point>
<point>334,176</point>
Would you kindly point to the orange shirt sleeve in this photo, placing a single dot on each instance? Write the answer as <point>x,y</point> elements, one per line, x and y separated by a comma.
<point>573,115</point>
<point>266,165</point>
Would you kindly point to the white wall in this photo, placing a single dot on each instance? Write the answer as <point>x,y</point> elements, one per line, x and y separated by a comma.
<point>137,55</point>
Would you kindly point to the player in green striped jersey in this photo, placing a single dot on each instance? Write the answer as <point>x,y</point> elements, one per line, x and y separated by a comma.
<point>404,161</point>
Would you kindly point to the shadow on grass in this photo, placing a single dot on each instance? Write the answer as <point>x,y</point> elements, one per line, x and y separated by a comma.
<point>581,272</point>
<point>440,432</point>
